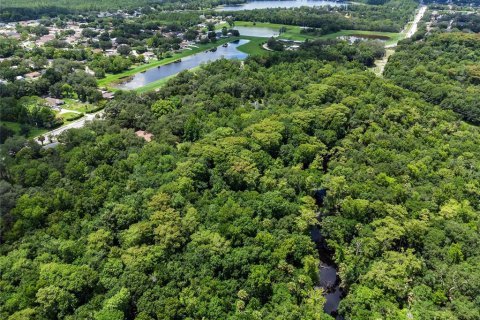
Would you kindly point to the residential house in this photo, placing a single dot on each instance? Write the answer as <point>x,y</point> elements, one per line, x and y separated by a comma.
<point>107,95</point>
<point>144,134</point>
<point>45,39</point>
<point>32,75</point>
<point>54,103</point>
<point>110,52</point>
<point>148,55</point>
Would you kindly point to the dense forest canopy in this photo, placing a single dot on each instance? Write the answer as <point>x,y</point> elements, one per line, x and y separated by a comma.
<point>390,17</point>
<point>212,219</point>
<point>443,68</point>
<point>202,199</point>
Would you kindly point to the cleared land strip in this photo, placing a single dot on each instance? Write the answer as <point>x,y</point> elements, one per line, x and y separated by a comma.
<point>409,31</point>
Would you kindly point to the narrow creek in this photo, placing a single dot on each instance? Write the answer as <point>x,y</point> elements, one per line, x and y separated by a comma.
<point>329,279</point>
<point>328,272</point>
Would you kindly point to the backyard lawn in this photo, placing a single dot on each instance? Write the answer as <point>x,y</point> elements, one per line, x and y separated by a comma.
<point>15,126</point>
<point>76,105</point>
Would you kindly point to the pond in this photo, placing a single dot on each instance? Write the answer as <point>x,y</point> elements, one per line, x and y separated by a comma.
<point>157,73</point>
<point>363,37</point>
<point>258,31</point>
<point>259,4</point>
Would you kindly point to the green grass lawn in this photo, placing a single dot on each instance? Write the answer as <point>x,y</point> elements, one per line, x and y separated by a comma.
<point>254,46</point>
<point>154,85</point>
<point>292,33</point>
<point>76,105</point>
<point>15,126</point>
<point>70,116</point>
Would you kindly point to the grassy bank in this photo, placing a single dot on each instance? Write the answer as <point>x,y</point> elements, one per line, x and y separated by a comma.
<point>155,84</point>
<point>294,32</point>
<point>155,63</point>
<point>253,47</point>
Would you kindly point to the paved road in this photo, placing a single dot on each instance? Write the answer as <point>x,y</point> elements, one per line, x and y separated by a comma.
<point>75,124</point>
<point>409,32</point>
<point>416,20</point>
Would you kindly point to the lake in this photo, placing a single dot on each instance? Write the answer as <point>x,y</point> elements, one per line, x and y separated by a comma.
<point>157,73</point>
<point>250,5</point>
<point>258,31</point>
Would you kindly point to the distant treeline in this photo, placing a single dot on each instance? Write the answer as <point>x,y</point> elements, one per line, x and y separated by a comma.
<point>465,22</point>
<point>390,17</point>
<point>455,2</point>
<point>17,10</point>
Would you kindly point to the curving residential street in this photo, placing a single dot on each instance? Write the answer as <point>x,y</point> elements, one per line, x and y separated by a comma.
<point>75,124</point>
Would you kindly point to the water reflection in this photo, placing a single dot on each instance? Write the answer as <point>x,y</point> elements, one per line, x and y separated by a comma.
<point>250,5</point>
<point>329,279</point>
<point>141,79</point>
<point>258,31</point>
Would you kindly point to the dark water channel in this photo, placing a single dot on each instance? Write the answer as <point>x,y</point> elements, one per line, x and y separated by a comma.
<point>328,273</point>
<point>329,279</point>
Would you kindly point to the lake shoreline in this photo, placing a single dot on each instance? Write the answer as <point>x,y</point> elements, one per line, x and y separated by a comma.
<point>228,50</point>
